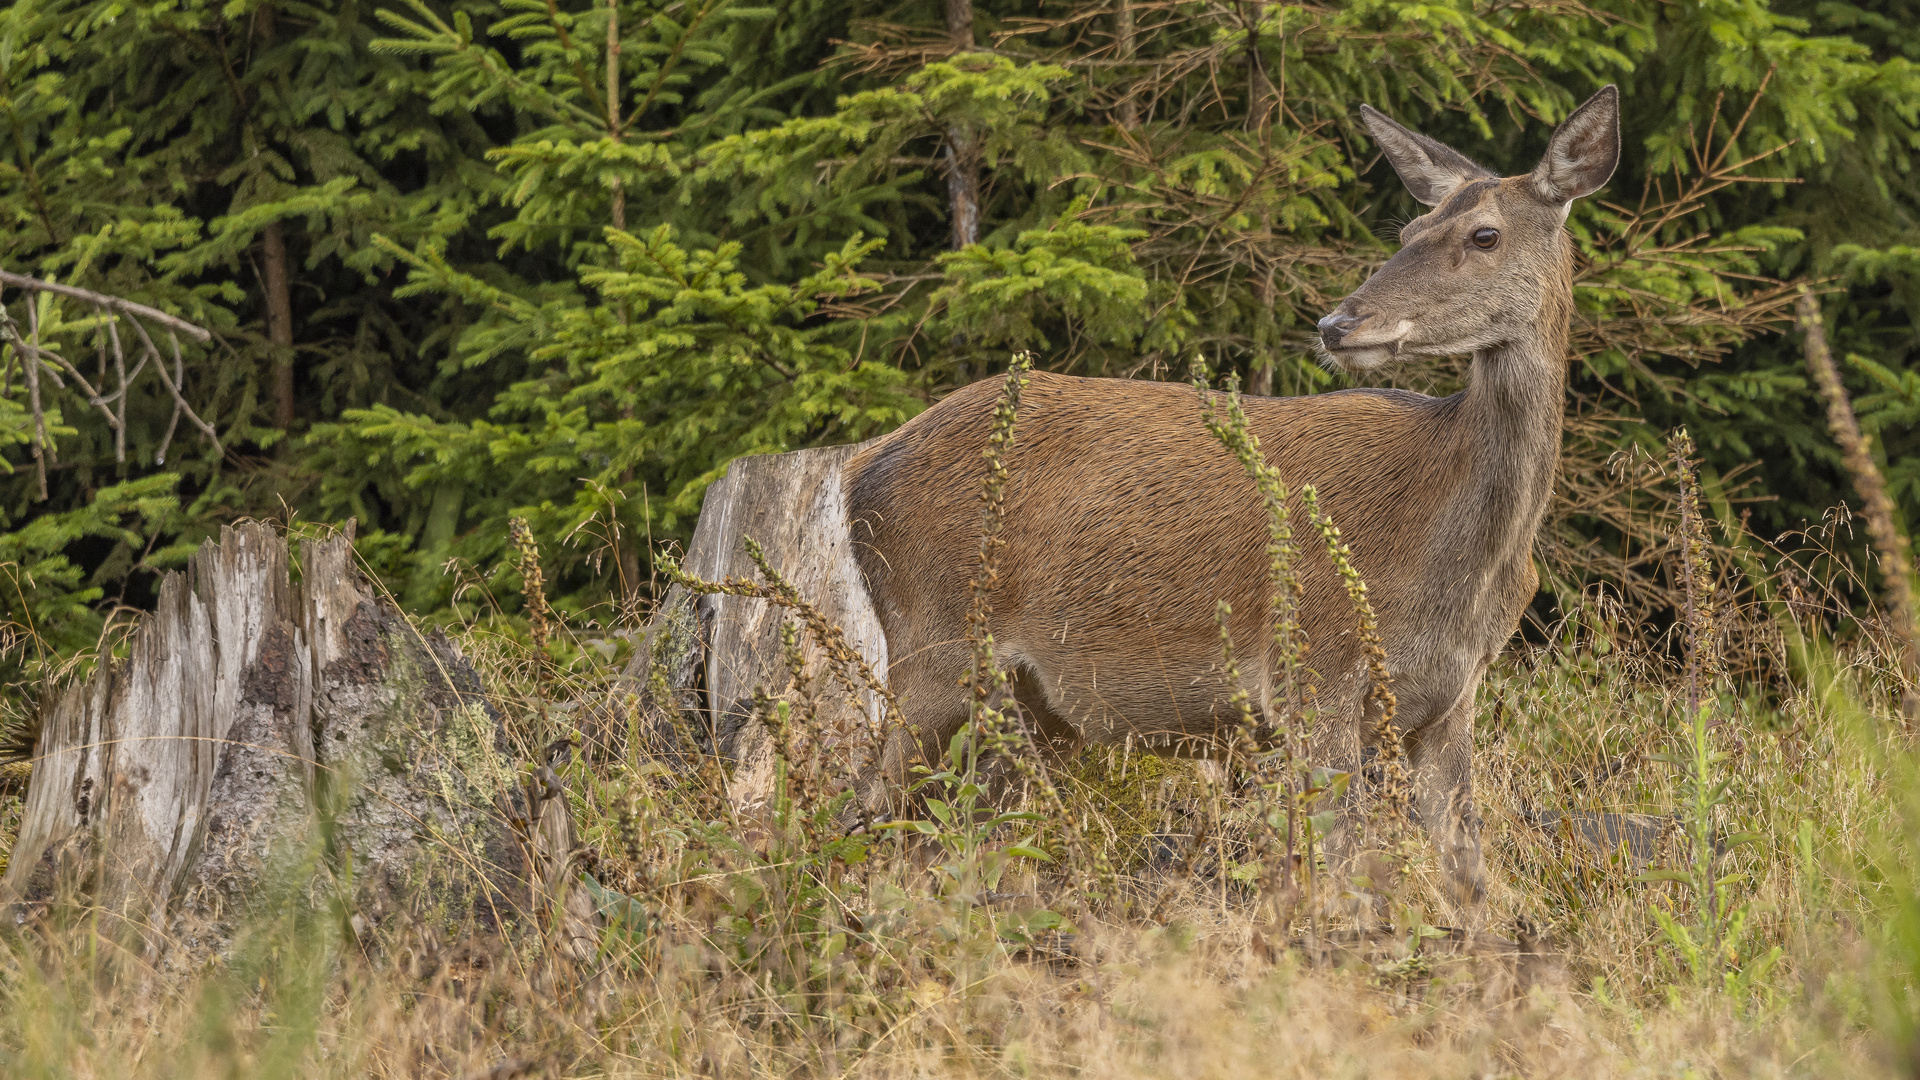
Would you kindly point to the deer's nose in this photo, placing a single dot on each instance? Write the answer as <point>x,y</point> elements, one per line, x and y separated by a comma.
<point>1336,326</point>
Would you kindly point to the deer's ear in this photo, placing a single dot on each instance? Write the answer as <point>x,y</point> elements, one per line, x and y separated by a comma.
<point>1432,170</point>
<point>1583,152</point>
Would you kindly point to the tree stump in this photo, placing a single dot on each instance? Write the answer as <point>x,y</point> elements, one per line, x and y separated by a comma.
<point>264,738</point>
<point>710,653</point>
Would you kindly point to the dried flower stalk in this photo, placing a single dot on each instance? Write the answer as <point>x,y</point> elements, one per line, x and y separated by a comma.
<point>1896,560</point>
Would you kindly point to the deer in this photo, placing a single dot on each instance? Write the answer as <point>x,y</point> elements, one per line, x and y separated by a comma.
<point>1127,525</point>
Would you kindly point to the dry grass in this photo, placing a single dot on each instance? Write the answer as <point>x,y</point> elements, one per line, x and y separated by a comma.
<point>930,986</point>
<point>1768,923</point>
<point>788,960</point>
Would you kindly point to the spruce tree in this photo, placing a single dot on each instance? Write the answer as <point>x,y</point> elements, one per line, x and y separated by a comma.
<point>469,260</point>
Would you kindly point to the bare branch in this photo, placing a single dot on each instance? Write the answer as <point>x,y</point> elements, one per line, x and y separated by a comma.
<point>173,388</point>
<point>179,375</point>
<point>115,303</point>
<point>49,358</point>
<point>179,398</point>
<point>119,370</point>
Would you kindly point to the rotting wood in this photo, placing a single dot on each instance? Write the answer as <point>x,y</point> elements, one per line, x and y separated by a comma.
<point>265,739</point>
<point>1603,835</point>
<point>713,651</point>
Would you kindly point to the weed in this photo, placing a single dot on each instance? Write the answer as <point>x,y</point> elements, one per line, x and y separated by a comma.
<point>1284,774</point>
<point>1714,948</point>
<point>1896,553</point>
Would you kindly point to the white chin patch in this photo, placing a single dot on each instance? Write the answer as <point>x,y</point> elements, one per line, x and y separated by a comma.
<point>1357,361</point>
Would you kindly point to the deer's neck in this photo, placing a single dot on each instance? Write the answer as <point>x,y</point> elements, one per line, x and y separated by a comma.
<point>1476,576</point>
<point>1509,444</point>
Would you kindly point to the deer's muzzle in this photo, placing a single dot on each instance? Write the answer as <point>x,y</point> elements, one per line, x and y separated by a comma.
<point>1335,327</point>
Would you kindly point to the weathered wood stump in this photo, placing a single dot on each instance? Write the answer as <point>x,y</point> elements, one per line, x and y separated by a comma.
<point>714,651</point>
<point>265,738</point>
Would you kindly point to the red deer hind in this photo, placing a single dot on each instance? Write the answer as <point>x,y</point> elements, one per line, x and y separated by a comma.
<point>1127,523</point>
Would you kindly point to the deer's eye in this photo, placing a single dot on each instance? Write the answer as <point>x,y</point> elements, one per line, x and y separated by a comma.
<point>1486,239</point>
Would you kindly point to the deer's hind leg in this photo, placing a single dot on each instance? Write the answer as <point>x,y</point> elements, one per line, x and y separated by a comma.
<point>937,708</point>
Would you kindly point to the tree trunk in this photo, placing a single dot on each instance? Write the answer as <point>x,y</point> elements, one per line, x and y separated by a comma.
<point>963,149</point>
<point>619,208</point>
<point>1260,373</point>
<point>266,739</point>
<point>963,187</point>
<point>960,23</point>
<point>1260,95</point>
<point>1260,380</point>
<point>273,243</point>
<point>274,272</point>
<point>1128,114</point>
<point>710,653</point>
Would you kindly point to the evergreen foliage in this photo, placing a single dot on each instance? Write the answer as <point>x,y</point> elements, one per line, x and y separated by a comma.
<point>564,259</point>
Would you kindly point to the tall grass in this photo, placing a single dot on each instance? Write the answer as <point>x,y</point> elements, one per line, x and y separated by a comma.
<point>1128,919</point>
<point>817,953</point>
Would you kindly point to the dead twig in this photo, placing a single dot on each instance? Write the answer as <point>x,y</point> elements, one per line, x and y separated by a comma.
<point>37,360</point>
<point>179,399</point>
<point>105,300</point>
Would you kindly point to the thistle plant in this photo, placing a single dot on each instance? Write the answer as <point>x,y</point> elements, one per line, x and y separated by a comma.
<point>1226,421</point>
<point>960,823</point>
<point>996,727</point>
<point>526,558</point>
<point>1895,551</point>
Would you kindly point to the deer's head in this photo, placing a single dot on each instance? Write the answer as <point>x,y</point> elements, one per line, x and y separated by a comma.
<point>1473,272</point>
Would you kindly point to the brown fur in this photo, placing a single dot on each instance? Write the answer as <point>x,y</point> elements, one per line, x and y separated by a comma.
<point>1127,522</point>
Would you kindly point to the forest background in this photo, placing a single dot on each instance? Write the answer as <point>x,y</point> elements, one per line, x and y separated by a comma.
<point>564,259</point>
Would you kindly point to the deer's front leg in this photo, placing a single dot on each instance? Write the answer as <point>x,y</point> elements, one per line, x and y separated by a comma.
<point>1441,755</point>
